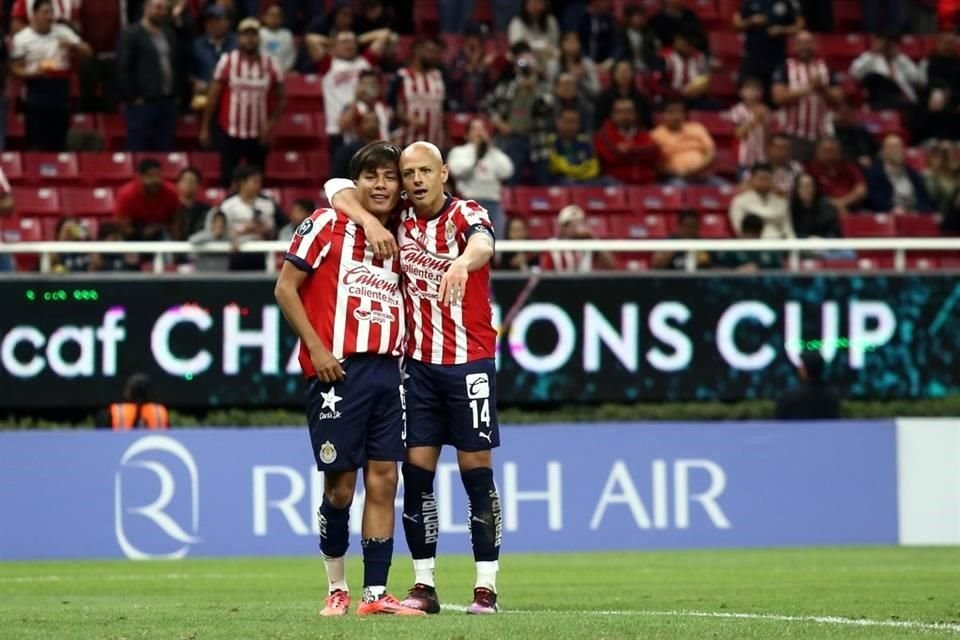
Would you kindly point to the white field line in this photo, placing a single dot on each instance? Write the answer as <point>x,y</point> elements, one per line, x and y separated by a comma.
<point>680,613</point>
<point>834,620</point>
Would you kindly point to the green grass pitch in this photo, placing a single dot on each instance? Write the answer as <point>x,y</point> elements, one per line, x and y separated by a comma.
<point>831,593</point>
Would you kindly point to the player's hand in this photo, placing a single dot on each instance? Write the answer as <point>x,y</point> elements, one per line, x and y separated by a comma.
<point>383,243</point>
<point>453,286</point>
<point>327,367</point>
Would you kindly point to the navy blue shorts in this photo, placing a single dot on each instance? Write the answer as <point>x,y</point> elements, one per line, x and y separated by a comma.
<point>359,418</point>
<point>452,404</point>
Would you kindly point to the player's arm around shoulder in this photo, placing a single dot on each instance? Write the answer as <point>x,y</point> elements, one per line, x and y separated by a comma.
<point>342,194</point>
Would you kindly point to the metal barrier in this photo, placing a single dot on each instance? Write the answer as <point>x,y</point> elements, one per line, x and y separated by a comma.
<point>898,246</point>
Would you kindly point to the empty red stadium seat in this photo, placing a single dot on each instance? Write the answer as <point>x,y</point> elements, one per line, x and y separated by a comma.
<point>869,225</point>
<point>600,199</point>
<point>725,164</point>
<point>304,92</point>
<point>917,225</point>
<point>708,12</point>
<point>599,224</point>
<point>101,169</point>
<point>37,201</point>
<point>44,168</point>
<point>23,230</point>
<point>655,198</point>
<point>319,163</point>
<point>923,264</point>
<point>847,15</point>
<point>640,226</point>
<point>507,199</point>
<point>86,122</point>
<point>12,166</point>
<point>634,261</point>
<point>726,45</point>
<point>840,49</point>
<point>917,46</point>
<point>723,85</point>
<point>171,164</point>
<point>188,132</point>
<point>541,226</point>
<point>715,225</point>
<point>115,130</point>
<point>16,129</point>
<point>300,131</point>
<point>287,168</point>
<point>88,201</point>
<point>710,199</point>
<point>289,194</point>
<point>208,164</point>
<point>540,200</point>
<point>717,123</point>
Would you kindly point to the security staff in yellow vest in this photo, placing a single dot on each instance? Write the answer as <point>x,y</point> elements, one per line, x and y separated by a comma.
<point>136,411</point>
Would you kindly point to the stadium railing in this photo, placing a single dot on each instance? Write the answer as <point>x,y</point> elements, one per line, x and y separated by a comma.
<point>793,248</point>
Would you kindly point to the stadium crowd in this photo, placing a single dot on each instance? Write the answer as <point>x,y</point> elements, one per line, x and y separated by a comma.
<point>220,120</point>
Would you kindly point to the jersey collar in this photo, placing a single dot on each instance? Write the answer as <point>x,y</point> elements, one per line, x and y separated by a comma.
<point>443,208</point>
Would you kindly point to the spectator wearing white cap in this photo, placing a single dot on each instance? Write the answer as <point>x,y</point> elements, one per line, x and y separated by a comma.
<point>572,225</point>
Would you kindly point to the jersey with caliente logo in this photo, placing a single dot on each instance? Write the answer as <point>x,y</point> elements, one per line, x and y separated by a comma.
<point>352,299</point>
<point>440,334</point>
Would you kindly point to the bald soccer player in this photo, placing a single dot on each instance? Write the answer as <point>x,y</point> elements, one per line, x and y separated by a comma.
<point>445,247</point>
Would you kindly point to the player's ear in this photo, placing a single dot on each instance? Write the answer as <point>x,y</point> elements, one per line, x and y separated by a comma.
<point>444,174</point>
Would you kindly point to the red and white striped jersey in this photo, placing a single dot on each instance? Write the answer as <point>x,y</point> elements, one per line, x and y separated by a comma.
<point>66,10</point>
<point>352,299</point>
<point>681,71</point>
<point>752,147</point>
<point>247,82</point>
<point>439,334</point>
<point>809,116</point>
<point>421,97</point>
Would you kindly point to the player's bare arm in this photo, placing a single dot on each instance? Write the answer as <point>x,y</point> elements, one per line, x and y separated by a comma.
<point>478,252</point>
<point>343,196</point>
<point>288,298</point>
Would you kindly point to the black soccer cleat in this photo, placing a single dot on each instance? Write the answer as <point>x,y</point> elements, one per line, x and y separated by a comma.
<point>484,602</point>
<point>422,597</point>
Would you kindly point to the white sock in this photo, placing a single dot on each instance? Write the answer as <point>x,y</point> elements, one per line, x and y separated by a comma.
<point>423,571</point>
<point>373,593</point>
<point>487,575</point>
<point>336,573</point>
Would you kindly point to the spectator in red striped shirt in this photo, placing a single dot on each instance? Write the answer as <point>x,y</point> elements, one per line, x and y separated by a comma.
<point>418,95</point>
<point>687,73</point>
<point>244,83</point>
<point>804,88</point>
<point>839,180</point>
<point>752,121</point>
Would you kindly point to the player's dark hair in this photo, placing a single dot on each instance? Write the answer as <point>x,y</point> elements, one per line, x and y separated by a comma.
<point>306,204</point>
<point>146,165</point>
<point>813,364</point>
<point>752,223</point>
<point>192,171</point>
<point>373,156</point>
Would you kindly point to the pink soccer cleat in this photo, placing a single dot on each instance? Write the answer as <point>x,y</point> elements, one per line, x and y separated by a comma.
<point>337,604</point>
<point>387,605</point>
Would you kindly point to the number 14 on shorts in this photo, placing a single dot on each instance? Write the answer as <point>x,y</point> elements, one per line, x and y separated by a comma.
<point>478,392</point>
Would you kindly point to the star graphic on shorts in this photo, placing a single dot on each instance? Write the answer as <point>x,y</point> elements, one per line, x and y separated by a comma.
<point>331,399</point>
